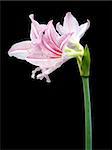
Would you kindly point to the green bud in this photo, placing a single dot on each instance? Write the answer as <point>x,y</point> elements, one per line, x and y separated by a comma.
<point>84,63</point>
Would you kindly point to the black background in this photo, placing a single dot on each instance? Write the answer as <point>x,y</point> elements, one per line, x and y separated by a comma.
<point>40,115</point>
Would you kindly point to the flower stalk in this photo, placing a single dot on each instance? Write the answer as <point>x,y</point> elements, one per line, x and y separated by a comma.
<point>88,120</point>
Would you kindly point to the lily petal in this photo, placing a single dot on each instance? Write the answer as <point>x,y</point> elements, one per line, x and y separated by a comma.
<point>36,30</point>
<point>34,36</point>
<point>20,50</point>
<point>70,23</point>
<point>64,40</point>
<point>43,62</point>
<point>59,28</point>
<point>53,37</point>
<point>48,50</point>
<point>83,28</point>
<point>38,27</point>
<point>50,42</point>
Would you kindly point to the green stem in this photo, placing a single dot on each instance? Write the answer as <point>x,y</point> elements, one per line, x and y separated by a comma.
<point>88,121</point>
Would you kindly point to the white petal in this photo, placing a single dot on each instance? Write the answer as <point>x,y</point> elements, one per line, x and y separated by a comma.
<point>60,29</point>
<point>43,63</point>
<point>34,35</point>
<point>36,30</point>
<point>20,50</point>
<point>70,23</point>
<point>83,28</point>
<point>18,54</point>
<point>55,66</point>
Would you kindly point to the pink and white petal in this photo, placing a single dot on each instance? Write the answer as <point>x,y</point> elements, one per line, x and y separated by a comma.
<point>36,53</point>
<point>50,41</point>
<point>34,35</point>
<point>70,23</point>
<point>20,50</point>
<point>35,23</point>
<point>42,28</point>
<point>60,29</point>
<point>83,28</point>
<point>38,27</point>
<point>64,40</point>
<point>54,67</point>
<point>43,62</point>
<point>48,50</point>
<point>53,34</point>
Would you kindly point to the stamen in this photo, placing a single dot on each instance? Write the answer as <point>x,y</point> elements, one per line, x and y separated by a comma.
<point>34,72</point>
<point>42,75</point>
<point>47,79</point>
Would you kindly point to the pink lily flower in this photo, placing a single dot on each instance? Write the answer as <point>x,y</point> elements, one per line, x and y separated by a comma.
<point>45,49</point>
<point>49,53</point>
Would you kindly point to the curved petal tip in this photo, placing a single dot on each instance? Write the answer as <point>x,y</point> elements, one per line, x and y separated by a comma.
<point>88,23</point>
<point>31,16</point>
